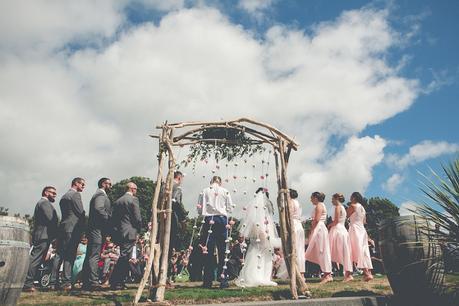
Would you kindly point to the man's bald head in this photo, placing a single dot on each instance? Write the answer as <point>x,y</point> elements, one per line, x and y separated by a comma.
<point>131,187</point>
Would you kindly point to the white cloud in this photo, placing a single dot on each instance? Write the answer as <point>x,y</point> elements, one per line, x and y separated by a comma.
<point>393,182</point>
<point>348,171</point>
<point>162,5</point>
<point>423,151</point>
<point>88,112</point>
<point>408,208</point>
<point>253,6</point>
<point>30,26</point>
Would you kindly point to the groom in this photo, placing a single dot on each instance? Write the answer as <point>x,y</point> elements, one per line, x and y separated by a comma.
<point>214,203</point>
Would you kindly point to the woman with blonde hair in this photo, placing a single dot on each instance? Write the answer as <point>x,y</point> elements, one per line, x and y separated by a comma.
<point>340,245</point>
<point>360,252</point>
<point>318,250</point>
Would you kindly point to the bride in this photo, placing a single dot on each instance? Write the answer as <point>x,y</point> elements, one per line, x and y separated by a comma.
<point>257,225</point>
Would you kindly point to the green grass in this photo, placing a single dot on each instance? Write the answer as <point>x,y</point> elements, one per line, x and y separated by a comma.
<point>191,293</point>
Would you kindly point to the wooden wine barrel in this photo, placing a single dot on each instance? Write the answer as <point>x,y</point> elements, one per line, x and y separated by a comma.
<point>412,260</point>
<point>14,257</point>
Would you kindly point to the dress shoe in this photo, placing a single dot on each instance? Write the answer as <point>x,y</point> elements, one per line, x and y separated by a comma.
<point>224,285</point>
<point>118,287</point>
<point>207,285</point>
<point>29,289</point>
<point>66,288</point>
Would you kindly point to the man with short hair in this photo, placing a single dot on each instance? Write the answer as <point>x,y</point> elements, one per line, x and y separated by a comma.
<point>70,230</point>
<point>127,223</point>
<point>44,232</point>
<point>99,215</point>
<point>179,213</point>
<point>214,203</point>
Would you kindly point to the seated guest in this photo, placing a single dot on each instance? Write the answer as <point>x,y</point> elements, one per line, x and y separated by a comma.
<point>109,256</point>
<point>236,259</point>
<point>79,260</point>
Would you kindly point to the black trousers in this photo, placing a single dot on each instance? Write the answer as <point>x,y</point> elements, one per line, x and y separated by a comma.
<point>121,269</point>
<point>39,250</point>
<point>66,253</point>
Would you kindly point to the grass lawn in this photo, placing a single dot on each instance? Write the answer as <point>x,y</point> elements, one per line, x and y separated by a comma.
<point>190,293</point>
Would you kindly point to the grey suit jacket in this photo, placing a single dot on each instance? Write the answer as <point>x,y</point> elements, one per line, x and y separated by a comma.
<point>178,210</point>
<point>72,211</point>
<point>45,221</point>
<point>126,218</point>
<point>99,213</point>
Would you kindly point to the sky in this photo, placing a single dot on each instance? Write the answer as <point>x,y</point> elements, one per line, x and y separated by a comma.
<point>368,88</point>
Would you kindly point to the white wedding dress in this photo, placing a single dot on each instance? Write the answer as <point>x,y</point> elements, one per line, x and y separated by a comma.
<point>257,225</point>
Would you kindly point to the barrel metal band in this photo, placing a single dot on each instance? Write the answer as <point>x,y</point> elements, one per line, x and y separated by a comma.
<point>14,243</point>
<point>14,225</point>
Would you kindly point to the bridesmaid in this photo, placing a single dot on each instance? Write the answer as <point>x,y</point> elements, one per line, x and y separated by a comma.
<point>358,236</point>
<point>318,250</point>
<point>340,246</point>
<point>298,230</point>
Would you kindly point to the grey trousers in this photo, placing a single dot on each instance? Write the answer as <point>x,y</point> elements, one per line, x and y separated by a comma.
<point>39,249</point>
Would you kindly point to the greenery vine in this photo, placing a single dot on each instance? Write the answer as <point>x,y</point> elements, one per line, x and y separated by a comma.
<point>239,145</point>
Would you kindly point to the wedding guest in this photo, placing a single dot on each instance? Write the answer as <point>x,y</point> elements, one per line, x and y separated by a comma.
<point>99,215</point>
<point>358,236</point>
<point>70,230</point>
<point>298,230</point>
<point>127,223</point>
<point>214,203</point>
<point>45,230</point>
<point>340,245</point>
<point>236,259</point>
<point>319,245</point>
<point>79,260</point>
<point>109,257</point>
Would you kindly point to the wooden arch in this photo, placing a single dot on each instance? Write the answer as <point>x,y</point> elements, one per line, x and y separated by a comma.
<point>181,134</point>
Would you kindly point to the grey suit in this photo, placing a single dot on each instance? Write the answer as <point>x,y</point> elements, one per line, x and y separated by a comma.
<point>178,216</point>
<point>70,230</point>
<point>127,223</point>
<point>99,215</point>
<point>45,230</point>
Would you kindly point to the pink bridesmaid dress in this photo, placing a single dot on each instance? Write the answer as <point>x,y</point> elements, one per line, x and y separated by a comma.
<point>318,250</point>
<point>299,235</point>
<point>360,252</point>
<point>340,245</point>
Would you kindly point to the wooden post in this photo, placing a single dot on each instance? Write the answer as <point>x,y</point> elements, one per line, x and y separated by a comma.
<point>167,225</point>
<point>154,226</point>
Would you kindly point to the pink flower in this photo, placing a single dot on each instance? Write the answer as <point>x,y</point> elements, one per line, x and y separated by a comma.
<point>199,206</point>
<point>190,248</point>
<point>232,222</point>
<point>211,221</point>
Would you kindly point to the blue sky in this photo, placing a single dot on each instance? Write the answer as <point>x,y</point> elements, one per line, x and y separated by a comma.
<point>369,89</point>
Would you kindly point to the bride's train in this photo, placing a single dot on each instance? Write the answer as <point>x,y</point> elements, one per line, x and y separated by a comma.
<point>259,228</point>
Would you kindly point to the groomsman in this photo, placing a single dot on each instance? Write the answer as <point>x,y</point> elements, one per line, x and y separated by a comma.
<point>214,204</point>
<point>45,230</point>
<point>99,215</point>
<point>70,230</point>
<point>126,222</point>
<point>179,213</point>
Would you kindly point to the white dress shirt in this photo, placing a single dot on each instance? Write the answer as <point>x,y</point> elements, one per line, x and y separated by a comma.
<point>214,200</point>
